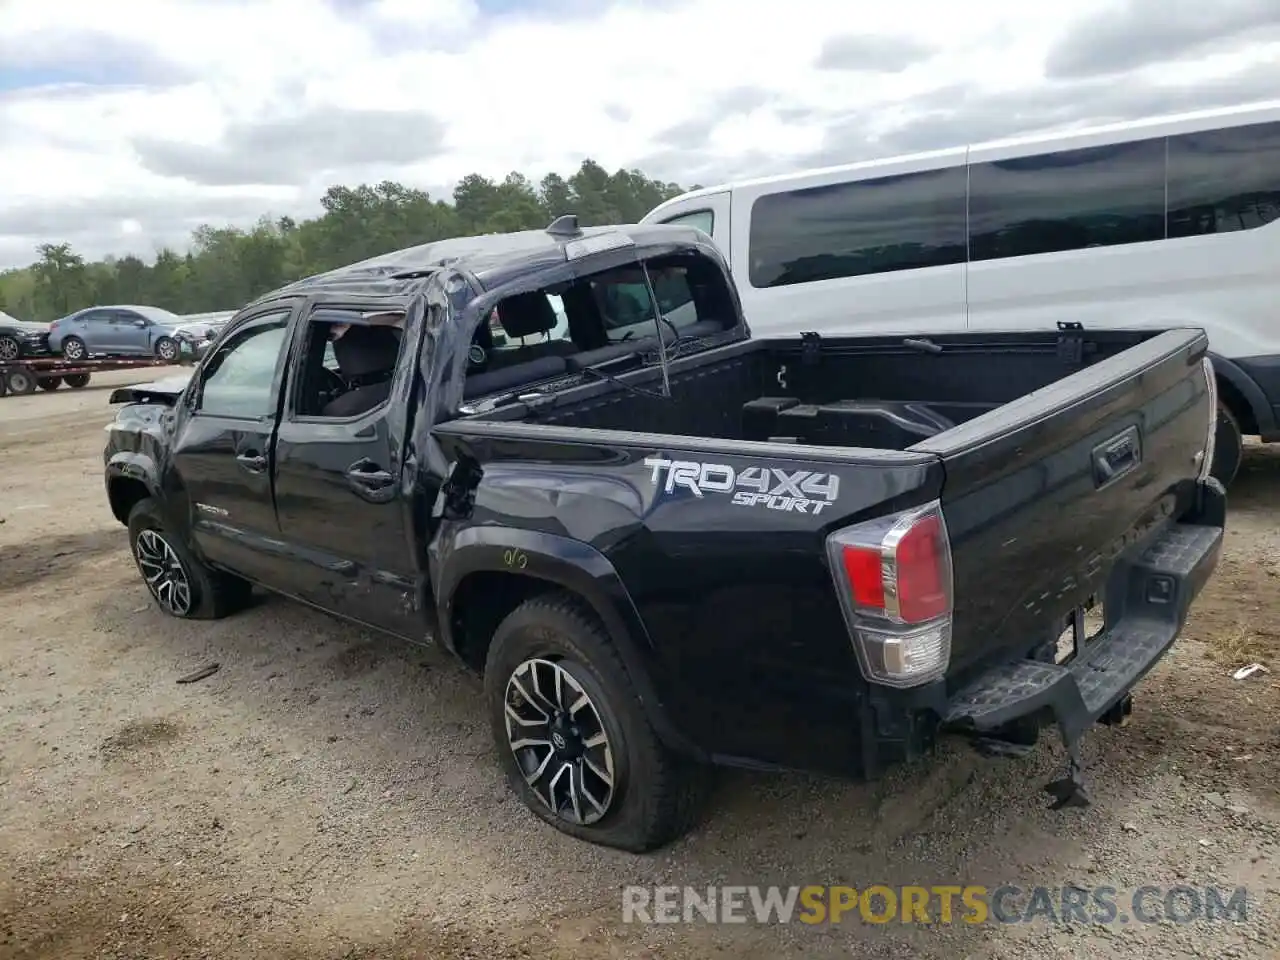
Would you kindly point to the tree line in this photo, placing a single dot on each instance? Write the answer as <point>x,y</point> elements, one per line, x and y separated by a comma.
<point>226,267</point>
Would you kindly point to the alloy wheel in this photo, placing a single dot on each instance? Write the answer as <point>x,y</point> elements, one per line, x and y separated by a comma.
<point>73,350</point>
<point>165,576</point>
<point>167,349</point>
<point>9,348</point>
<point>559,741</point>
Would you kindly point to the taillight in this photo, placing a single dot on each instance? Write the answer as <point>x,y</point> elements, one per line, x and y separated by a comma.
<point>893,576</point>
<point>1211,442</point>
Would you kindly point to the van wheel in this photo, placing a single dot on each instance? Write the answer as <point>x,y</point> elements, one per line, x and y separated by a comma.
<point>180,584</point>
<point>572,736</point>
<point>1228,447</point>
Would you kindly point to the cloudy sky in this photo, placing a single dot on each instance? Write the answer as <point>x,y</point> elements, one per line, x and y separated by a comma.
<point>124,125</point>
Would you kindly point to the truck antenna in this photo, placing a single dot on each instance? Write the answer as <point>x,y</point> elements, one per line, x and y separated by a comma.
<point>657,322</point>
<point>566,226</point>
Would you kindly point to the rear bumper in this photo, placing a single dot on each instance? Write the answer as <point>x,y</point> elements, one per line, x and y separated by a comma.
<point>34,346</point>
<point>1147,602</point>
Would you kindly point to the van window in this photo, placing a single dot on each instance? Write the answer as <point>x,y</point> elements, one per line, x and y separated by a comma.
<point>1221,181</point>
<point>1095,197</point>
<point>704,220</point>
<point>903,222</point>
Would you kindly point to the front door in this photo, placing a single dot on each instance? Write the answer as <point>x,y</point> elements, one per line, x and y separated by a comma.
<point>123,335</point>
<point>343,507</point>
<point>222,452</point>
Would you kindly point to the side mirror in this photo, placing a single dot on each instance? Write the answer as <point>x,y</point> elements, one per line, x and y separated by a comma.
<point>140,324</point>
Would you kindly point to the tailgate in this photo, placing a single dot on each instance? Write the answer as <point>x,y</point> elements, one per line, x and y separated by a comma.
<point>1043,494</point>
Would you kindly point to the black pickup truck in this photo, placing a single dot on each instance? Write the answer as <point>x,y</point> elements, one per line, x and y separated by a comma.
<point>666,544</point>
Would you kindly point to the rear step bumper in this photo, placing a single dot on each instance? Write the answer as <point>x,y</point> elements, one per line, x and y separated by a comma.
<point>1147,599</point>
<point>1163,581</point>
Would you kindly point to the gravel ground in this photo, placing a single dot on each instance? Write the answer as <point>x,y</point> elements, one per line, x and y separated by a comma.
<point>331,794</point>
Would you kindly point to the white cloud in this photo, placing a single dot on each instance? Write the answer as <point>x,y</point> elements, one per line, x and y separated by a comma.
<point>217,110</point>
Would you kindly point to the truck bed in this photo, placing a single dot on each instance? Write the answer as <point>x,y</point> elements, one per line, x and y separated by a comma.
<point>873,393</point>
<point>1054,458</point>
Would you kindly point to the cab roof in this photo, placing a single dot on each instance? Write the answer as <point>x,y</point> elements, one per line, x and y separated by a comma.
<point>492,259</point>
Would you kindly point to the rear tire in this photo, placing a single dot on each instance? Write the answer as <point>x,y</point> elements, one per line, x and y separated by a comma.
<point>73,348</point>
<point>21,382</point>
<point>77,380</point>
<point>1228,447</point>
<point>180,584</point>
<point>648,796</point>
<point>50,383</point>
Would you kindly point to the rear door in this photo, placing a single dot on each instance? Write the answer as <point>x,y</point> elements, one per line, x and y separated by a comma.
<point>1042,494</point>
<point>94,328</point>
<point>222,453</point>
<point>343,487</point>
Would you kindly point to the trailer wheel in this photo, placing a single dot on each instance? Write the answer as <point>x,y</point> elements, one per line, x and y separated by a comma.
<point>76,380</point>
<point>4,385</point>
<point>50,383</point>
<point>21,382</point>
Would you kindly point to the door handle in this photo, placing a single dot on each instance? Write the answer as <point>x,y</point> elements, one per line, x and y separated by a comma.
<point>370,481</point>
<point>253,462</point>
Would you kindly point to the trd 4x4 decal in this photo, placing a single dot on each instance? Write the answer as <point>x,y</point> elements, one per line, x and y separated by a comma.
<point>798,491</point>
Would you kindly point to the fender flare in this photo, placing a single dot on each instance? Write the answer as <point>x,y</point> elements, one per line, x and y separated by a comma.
<point>131,465</point>
<point>577,567</point>
<point>1249,389</point>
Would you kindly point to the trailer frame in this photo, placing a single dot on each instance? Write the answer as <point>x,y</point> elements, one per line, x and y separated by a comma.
<point>26,375</point>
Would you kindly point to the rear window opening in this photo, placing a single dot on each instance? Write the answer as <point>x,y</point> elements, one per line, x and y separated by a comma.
<point>348,362</point>
<point>539,335</point>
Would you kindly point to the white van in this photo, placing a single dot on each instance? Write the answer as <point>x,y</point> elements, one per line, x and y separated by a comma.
<point>1159,222</point>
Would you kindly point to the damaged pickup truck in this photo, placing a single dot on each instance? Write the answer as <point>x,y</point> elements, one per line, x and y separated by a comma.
<point>665,544</point>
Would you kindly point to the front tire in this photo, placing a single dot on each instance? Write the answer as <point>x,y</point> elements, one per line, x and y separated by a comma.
<point>180,584</point>
<point>10,349</point>
<point>572,736</point>
<point>1228,447</point>
<point>167,349</point>
<point>73,348</point>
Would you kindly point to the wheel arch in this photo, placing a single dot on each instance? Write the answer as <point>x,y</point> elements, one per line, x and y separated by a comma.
<point>1238,392</point>
<point>130,480</point>
<point>487,572</point>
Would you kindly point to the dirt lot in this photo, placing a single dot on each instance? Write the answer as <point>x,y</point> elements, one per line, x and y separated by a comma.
<point>330,794</point>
